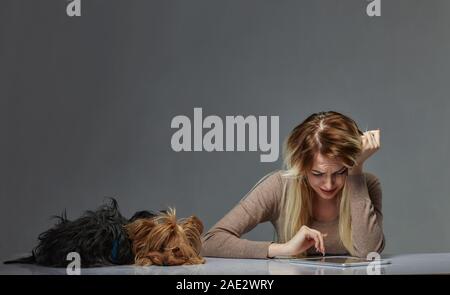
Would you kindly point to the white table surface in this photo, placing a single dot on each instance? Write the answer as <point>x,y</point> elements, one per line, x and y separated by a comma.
<point>420,263</point>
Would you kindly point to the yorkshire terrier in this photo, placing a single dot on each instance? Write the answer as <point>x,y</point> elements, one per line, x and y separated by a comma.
<point>162,240</point>
<point>98,236</point>
<point>104,237</point>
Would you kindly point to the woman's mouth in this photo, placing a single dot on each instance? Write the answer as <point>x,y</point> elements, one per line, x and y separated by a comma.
<point>328,192</point>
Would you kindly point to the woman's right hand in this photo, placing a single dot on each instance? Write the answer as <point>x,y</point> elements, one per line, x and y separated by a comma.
<point>304,239</point>
<point>370,145</point>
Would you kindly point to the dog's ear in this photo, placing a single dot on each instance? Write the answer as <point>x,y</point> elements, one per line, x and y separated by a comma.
<point>140,228</point>
<point>194,220</point>
<point>193,229</point>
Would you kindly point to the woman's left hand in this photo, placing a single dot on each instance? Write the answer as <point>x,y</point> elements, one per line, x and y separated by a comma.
<point>370,145</point>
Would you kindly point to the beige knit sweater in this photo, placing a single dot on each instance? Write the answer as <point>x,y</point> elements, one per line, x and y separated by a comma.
<point>262,204</point>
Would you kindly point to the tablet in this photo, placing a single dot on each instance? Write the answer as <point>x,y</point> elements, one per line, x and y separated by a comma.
<point>337,261</point>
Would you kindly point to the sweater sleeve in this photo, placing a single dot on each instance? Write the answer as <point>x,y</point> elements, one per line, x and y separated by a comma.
<point>366,216</point>
<point>258,206</point>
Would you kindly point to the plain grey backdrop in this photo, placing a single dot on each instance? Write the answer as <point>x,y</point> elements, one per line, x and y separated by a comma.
<point>86,104</point>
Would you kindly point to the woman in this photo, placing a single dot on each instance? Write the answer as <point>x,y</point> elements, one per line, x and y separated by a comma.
<point>322,203</point>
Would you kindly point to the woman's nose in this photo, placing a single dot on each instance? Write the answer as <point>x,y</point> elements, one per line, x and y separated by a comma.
<point>329,183</point>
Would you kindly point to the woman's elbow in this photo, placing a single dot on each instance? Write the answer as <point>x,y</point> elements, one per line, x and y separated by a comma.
<point>211,243</point>
<point>366,250</point>
<point>206,244</point>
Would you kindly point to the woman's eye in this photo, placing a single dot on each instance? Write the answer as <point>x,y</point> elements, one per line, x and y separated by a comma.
<point>343,171</point>
<point>317,174</point>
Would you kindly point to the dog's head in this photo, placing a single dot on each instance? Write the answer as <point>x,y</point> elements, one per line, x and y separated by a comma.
<point>162,240</point>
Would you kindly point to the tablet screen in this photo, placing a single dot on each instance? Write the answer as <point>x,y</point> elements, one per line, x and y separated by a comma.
<point>337,260</point>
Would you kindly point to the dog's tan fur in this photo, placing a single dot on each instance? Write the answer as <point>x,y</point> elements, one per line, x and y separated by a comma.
<point>162,240</point>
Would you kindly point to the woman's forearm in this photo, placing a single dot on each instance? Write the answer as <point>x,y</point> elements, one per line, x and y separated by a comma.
<point>277,250</point>
<point>356,170</point>
<point>220,243</point>
<point>365,206</point>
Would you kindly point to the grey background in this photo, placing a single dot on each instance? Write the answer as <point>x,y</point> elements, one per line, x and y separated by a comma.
<point>86,104</point>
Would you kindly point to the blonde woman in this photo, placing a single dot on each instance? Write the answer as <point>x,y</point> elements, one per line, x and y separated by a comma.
<point>322,203</point>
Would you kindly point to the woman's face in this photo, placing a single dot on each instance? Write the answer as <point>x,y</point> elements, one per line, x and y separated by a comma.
<point>327,176</point>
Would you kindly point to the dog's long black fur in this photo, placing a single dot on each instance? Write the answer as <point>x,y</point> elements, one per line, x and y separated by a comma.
<point>98,236</point>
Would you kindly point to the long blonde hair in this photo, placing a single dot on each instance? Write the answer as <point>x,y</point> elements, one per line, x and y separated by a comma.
<point>333,135</point>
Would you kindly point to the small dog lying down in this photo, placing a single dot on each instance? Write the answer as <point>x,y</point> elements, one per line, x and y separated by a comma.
<point>104,237</point>
<point>162,240</point>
